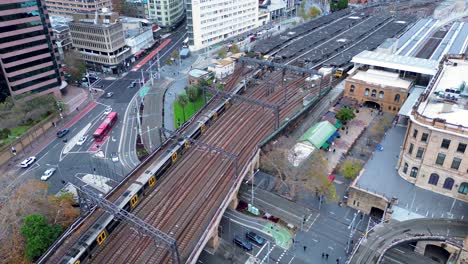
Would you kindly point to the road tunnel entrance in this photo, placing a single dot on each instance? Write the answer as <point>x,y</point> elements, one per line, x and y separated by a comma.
<point>436,253</point>
<point>376,213</point>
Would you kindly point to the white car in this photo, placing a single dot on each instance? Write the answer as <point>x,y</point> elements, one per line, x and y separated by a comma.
<point>82,140</point>
<point>108,110</point>
<point>25,163</point>
<point>47,174</point>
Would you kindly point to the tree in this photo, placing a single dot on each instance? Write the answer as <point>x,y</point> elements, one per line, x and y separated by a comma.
<point>192,94</point>
<point>234,48</point>
<point>63,209</point>
<point>168,61</point>
<point>222,53</point>
<point>350,168</point>
<point>175,55</point>
<point>39,235</point>
<point>345,114</point>
<point>182,100</point>
<point>313,12</point>
<point>75,66</point>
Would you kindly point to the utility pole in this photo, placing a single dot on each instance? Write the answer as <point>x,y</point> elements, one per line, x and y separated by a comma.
<point>159,65</point>
<point>353,227</point>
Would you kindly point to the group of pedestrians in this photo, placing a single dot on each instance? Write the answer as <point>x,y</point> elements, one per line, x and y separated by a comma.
<point>325,256</point>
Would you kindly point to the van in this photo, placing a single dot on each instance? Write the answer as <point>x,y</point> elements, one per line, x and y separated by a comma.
<point>243,244</point>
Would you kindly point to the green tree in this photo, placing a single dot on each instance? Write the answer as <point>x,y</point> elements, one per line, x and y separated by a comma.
<point>313,12</point>
<point>182,100</point>
<point>345,114</point>
<point>192,94</point>
<point>350,168</point>
<point>222,53</point>
<point>175,55</point>
<point>235,48</point>
<point>168,61</point>
<point>39,235</point>
<point>75,66</point>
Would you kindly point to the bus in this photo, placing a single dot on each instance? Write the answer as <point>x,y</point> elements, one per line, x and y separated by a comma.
<point>105,127</point>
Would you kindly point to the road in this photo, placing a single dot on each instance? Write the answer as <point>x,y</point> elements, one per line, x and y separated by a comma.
<point>73,161</point>
<point>405,254</point>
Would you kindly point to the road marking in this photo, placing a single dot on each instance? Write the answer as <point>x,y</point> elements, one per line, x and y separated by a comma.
<point>315,240</point>
<point>399,250</point>
<point>291,260</point>
<point>255,198</point>
<point>261,249</point>
<point>394,260</point>
<point>315,219</point>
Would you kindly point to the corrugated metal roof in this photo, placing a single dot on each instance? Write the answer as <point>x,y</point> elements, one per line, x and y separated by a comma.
<point>318,134</point>
<point>407,106</point>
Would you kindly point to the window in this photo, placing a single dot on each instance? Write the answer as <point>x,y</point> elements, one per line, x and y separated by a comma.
<point>366,93</point>
<point>461,148</point>
<point>445,143</point>
<point>433,179</point>
<point>463,188</point>
<point>420,153</point>
<point>448,183</point>
<point>374,93</point>
<point>415,133</point>
<point>424,137</point>
<point>405,168</point>
<point>440,159</point>
<point>397,98</point>
<point>456,163</point>
<point>410,150</point>
<point>351,89</point>
<point>414,172</point>
<point>381,94</point>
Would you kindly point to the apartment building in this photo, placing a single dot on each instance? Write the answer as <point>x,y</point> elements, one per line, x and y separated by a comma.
<point>70,7</point>
<point>28,56</point>
<point>212,21</point>
<point>434,154</point>
<point>100,40</point>
<point>166,13</point>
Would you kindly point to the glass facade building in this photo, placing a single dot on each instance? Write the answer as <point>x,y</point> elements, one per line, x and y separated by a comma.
<point>27,54</point>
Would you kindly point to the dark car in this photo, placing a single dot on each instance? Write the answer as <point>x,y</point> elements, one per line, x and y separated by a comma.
<point>62,132</point>
<point>243,244</point>
<point>252,236</point>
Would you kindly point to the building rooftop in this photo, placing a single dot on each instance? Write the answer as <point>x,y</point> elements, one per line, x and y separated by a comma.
<point>407,106</point>
<point>380,177</point>
<point>223,62</point>
<point>382,78</point>
<point>197,73</point>
<point>445,100</point>
<point>396,62</point>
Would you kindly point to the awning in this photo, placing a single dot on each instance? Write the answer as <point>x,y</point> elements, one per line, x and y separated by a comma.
<point>407,106</point>
<point>338,124</point>
<point>318,134</point>
<point>325,145</point>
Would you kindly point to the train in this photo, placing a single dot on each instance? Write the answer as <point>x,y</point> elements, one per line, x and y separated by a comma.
<point>145,183</point>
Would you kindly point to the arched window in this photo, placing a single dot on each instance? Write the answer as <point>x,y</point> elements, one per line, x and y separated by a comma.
<point>405,168</point>
<point>374,93</point>
<point>463,188</point>
<point>434,179</point>
<point>397,98</point>
<point>381,94</point>
<point>448,183</point>
<point>414,172</point>
<point>366,93</point>
<point>351,89</point>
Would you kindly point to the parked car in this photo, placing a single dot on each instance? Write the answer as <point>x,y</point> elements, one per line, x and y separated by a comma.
<point>109,94</point>
<point>246,245</point>
<point>254,237</point>
<point>107,110</point>
<point>47,174</point>
<point>62,133</point>
<point>25,163</point>
<point>82,140</point>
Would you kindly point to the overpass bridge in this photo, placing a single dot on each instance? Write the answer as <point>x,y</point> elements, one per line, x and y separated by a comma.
<point>372,248</point>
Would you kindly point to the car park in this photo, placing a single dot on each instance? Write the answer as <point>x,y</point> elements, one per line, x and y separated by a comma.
<point>107,110</point>
<point>62,133</point>
<point>25,163</point>
<point>254,237</point>
<point>246,245</point>
<point>47,174</point>
<point>82,140</point>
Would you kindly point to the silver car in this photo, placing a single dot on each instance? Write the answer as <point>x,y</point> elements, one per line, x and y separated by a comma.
<point>47,174</point>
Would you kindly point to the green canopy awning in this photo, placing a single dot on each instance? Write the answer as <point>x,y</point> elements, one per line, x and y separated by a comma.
<point>325,145</point>
<point>318,134</point>
<point>338,124</point>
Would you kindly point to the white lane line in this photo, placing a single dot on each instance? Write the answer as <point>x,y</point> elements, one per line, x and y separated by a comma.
<point>291,260</point>
<point>261,249</point>
<point>399,250</point>
<point>315,219</point>
<point>394,260</point>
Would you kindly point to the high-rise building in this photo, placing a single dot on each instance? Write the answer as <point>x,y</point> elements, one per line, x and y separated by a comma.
<point>28,57</point>
<point>166,13</point>
<point>212,21</point>
<point>70,7</point>
<point>100,41</point>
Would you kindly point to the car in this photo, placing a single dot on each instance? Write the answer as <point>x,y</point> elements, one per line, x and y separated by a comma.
<point>47,174</point>
<point>82,140</point>
<point>243,244</point>
<point>25,163</point>
<point>109,94</point>
<point>254,237</point>
<point>62,133</point>
<point>107,110</point>
<point>133,84</point>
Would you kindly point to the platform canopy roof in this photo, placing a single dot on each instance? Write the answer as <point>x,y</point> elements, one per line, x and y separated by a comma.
<point>318,134</point>
<point>397,62</point>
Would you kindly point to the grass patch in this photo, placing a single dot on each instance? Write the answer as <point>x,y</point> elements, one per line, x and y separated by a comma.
<point>190,110</point>
<point>14,133</point>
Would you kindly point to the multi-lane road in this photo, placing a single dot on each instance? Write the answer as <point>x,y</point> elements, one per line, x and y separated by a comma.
<point>116,156</point>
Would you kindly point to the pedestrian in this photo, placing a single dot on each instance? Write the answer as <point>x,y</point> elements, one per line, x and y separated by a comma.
<point>323,255</point>
<point>334,150</point>
<point>326,255</point>
<point>305,247</point>
<point>337,261</point>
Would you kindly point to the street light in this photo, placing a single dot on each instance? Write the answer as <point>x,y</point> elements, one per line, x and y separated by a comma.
<point>57,166</point>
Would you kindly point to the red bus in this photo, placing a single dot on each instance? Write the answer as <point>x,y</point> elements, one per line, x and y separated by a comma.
<point>105,127</point>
